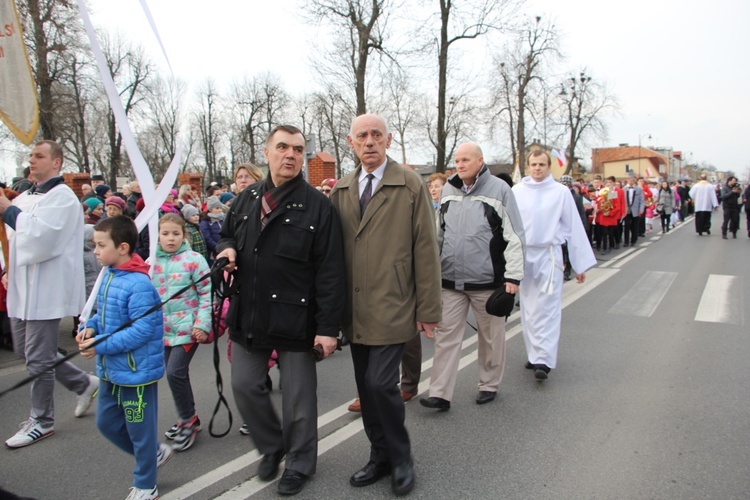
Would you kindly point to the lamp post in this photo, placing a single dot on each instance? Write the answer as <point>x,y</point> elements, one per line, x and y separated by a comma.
<point>640,136</point>
<point>578,96</point>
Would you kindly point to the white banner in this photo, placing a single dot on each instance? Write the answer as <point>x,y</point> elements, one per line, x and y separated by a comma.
<point>18,105</point>
<point>152,197</point>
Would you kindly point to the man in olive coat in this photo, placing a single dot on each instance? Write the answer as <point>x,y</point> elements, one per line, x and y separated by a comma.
<point>392,289</point>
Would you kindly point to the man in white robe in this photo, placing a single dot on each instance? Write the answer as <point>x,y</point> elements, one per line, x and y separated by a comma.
<point>705,201</point>
<point>45,282</point>
<point>550,218</point>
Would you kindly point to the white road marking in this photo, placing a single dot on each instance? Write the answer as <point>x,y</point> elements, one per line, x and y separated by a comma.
<point>645,296</point>
<point>617,258</point>
<point>721,301</point>
<point>630,257</point>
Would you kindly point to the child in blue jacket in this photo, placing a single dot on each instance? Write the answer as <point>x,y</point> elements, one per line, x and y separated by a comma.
<point>131,361</point>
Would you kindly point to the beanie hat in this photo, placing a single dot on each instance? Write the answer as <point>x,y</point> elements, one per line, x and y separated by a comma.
<point>329,182</point>
<point>189,211</point>
<point>213,202</point>
<point>225,197</point>
<point>500,303</point>
<point>97,177</point>
<point>88,232</point>
<point>92,203</point>
<point>174,193</point>
<point>116,201</point>
<point>101,190</point>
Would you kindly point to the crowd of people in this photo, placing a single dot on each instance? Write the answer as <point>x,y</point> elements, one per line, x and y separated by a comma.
<point>373,259</point>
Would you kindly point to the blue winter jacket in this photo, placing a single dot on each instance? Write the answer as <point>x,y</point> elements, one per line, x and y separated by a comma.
<point>133,356</point>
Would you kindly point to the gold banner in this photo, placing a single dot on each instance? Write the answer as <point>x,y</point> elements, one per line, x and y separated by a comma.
<point>18,106</point>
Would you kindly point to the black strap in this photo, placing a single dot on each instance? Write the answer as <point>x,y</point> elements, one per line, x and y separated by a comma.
<point>223,288</point>
<point>218,265</point>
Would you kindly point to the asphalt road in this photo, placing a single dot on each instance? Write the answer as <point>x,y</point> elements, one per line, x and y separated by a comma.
<point>647,402</point>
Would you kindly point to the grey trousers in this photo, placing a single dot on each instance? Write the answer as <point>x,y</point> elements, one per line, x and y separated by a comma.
<point>36,342</point>
<point>297,433</point>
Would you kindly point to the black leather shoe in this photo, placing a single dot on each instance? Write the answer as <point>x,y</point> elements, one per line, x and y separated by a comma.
<point>269,466</point>
<point>541,372</point>
<point>436,403</point>
<point>402,478</point>
<point>370,473</point>
<point>291,482</point>
<point>529,365</point>
<point>485,397</point>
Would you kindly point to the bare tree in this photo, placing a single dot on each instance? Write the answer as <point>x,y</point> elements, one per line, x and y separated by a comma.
<point>461,21</point>
<point>459,120</point>
<point>132,73</point>
<point>586,101</point>
<point>165,116</point>
<point>334,119</point>
<point>359,29</point>
<point>210,128</point>
<point>78,112</point>
<point>402,104</point>
<point>51,28</point>
<point>518,68</point>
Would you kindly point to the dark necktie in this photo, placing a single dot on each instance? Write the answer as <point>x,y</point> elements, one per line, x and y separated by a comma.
<point>364,200</point>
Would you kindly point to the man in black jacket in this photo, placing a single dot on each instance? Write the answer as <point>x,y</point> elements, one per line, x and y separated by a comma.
<point>730,202</point>
<point>285,239</point>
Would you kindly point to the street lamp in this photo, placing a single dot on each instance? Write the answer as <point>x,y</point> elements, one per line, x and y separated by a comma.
<point>640,136</point>
<point>578,93</point>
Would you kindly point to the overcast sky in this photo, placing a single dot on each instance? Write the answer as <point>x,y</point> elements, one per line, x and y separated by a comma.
<point>679,68</point>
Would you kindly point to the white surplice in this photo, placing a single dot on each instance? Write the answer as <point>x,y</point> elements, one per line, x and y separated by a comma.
<point>704,197</point>
<point>550,218</point>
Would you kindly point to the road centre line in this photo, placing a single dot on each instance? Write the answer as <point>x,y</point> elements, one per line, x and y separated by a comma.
<point>630,257</point>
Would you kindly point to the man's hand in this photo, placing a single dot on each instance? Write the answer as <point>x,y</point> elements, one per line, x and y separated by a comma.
<point>328,344</point>
<point>580,278</point>
<point>4,279</point>
<point>86,351</point>
<point>231,254</point>
<point>4,202</point>
<point>426,328</point>
<point>511,288</point>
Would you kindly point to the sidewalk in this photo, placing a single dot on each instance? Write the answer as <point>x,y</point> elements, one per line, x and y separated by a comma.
<point>9,359</point>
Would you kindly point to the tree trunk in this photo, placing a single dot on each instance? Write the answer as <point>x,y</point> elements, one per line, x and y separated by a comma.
<point>43,79</point>
<point>445,10</point>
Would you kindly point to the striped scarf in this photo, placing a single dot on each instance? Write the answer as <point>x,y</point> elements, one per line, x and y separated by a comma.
<point>274,196</point>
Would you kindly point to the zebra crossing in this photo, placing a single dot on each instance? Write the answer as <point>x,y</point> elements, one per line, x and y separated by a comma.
<point>721,300</point>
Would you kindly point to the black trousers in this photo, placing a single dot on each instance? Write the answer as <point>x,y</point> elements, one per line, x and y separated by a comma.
<point>732,220</point>
<point>383,411</point>
<point>411,365</point>
<point>632,229</point>
<point>702,221</point>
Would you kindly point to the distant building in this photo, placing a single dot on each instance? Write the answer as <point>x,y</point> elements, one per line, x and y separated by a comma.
<point>625,161</point>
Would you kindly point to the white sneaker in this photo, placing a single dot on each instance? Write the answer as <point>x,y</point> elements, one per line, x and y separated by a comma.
<point>139,494</point>
<point>85,399</point>
<point>163,454</point>
<point>31,432</point>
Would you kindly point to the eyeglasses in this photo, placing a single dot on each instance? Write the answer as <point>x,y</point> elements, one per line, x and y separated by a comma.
<point>326,190</point>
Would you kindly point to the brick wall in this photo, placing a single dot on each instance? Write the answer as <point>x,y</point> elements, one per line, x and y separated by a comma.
<point>320,168</point>
<point>75,181</point>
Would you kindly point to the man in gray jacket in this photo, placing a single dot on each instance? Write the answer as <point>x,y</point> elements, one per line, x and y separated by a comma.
<point>482,249</point>
<point>635,206</point>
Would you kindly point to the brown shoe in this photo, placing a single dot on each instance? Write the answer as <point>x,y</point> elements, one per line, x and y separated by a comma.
<point>355,406</point>
<point>407,396</point>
